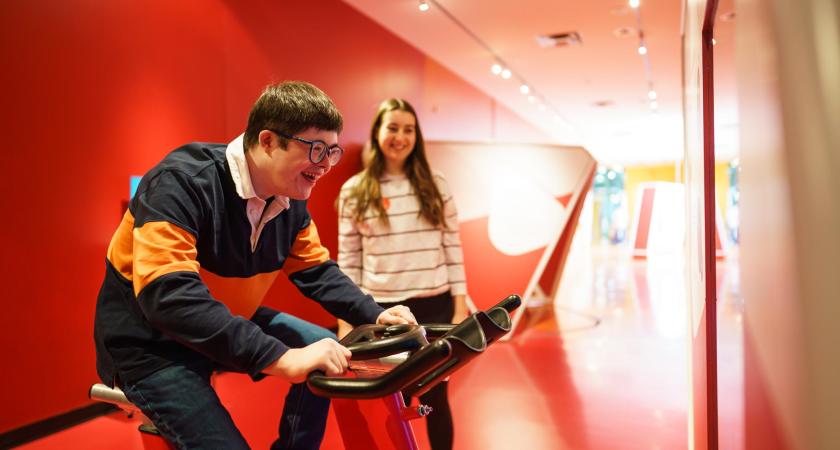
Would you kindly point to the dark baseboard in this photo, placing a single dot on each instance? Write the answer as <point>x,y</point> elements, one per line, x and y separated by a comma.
<point>54,424</point>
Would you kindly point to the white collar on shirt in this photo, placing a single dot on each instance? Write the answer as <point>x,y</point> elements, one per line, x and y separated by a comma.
<point>257,213</point>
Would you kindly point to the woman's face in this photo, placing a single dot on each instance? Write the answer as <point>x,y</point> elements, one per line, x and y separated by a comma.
<point>397,135</point>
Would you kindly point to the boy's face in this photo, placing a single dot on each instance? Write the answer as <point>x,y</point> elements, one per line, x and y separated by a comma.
<point>289,170</point>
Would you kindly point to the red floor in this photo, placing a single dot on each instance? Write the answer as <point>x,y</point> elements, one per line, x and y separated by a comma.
<point>604,367</point>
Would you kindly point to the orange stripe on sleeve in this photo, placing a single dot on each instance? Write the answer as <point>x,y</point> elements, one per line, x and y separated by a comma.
<point>120,248</point>
<point>161,248</point>
<point>307,251</point>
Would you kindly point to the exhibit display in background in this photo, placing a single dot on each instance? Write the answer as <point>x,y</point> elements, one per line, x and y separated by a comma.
<point>659,223</point>
<point>133,182</point>
<point>733,199</point>
<point>611,206</point>
<point>518,205</point>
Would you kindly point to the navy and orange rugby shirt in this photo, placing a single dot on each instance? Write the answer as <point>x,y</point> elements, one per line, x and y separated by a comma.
<point>182,281</point>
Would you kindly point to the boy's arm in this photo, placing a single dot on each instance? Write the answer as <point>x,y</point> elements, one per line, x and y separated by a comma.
<point>328,285</point>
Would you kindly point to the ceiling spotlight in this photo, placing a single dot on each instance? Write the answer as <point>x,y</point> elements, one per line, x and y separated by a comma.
<point>423,6</point>
<point>633,3</point>
<point>506,74</point>
<point>652,94</point>
<point>524,89</point>
<point>496,69</point>
<point>642,50</point>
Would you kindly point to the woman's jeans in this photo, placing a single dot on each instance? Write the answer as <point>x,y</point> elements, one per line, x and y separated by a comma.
<point>186,410</point>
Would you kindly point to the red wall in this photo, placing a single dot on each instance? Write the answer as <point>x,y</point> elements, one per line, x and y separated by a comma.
<point>94,92</point>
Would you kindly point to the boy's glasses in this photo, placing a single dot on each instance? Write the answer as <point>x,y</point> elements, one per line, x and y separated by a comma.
<point>318,150</point>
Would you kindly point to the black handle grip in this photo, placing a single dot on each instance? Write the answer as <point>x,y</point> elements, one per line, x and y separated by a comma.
<point>510,303</point>
<point>436,330</point>
<point>420,363</point>
<point>362,333</point>
<point>398,339</point>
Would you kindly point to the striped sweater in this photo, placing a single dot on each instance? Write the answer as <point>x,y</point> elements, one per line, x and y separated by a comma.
<point>409,258</point>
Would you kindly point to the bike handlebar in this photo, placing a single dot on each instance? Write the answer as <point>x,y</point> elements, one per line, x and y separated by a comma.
<point>428,365</point>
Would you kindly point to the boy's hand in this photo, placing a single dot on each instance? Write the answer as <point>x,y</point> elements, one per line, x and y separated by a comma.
<point>396,315</point>
<point>326,355</point>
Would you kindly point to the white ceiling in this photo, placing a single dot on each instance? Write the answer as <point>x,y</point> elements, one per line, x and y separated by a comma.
<point>595,94</point>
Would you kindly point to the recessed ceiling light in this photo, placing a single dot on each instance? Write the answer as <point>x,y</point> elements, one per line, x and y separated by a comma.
<point>652,94</point>
<point>423,6</point>
<point>506,74</point>
<point>496,69</point>
<point>524,89</point>
<point>633,3</point>
<point>642,50</point>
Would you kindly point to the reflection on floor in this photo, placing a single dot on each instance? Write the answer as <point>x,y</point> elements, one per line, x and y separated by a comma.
<point>602,367</point>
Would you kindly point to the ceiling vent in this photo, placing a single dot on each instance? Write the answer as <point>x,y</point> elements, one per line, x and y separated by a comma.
<point>624,32</point>
<point>567,39</point>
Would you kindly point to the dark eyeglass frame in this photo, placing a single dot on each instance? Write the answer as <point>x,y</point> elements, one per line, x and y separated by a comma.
<point>327,153</point>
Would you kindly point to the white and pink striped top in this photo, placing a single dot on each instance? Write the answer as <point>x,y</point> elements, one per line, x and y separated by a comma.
<point>411,258</point>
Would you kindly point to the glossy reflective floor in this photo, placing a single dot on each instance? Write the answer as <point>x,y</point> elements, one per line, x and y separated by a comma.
<point>604,366</point>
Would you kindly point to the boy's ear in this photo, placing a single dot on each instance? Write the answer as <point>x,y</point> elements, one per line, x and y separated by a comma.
<point>264,138</point>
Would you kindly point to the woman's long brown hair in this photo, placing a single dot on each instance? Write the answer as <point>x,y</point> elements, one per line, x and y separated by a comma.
<point>367,194</point>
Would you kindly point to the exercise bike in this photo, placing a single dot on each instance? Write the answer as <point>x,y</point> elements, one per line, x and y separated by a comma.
<point>388,364</point>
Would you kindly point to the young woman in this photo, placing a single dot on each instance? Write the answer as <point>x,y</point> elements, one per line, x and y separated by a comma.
<point>398,237</point>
